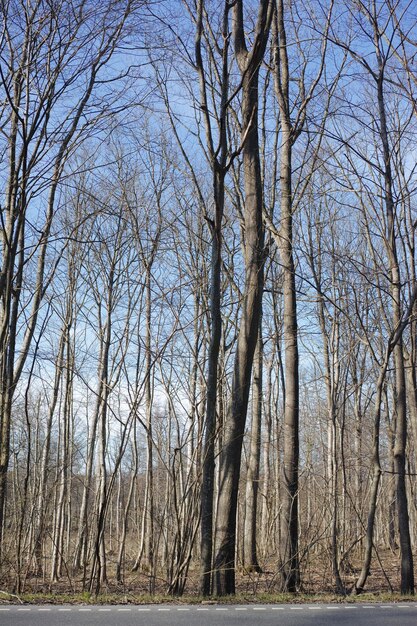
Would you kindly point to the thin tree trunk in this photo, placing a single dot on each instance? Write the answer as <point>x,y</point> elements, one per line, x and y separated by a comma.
<point>407,567</point>
<point>266,512</point>
<point>125,515</point>
<point>218,166</point>
<point>250,557</point>
<point>290,575</point>
<point>146,548</point>
<point>376,478</point>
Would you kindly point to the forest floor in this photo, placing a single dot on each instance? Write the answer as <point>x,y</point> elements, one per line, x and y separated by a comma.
<point>140,588</point>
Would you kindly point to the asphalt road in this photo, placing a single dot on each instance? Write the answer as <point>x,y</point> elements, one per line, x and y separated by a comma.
<point>404,614</point>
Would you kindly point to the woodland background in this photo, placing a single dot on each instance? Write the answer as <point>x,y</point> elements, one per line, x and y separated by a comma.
<point>208,295</point>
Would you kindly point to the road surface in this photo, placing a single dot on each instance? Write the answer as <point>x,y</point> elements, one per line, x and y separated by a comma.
<point>403,614</point>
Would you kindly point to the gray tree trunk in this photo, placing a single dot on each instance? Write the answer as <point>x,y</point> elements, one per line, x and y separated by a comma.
<point>407,567</point>
<point>289,512</point>
<point>234,427</point>
<point>250,556</point>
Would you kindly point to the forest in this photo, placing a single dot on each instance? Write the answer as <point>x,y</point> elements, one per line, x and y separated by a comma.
<point>208,316</point>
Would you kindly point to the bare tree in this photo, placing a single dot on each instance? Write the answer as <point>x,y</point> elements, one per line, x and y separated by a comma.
<point>292,122</point>
<point>218,162</point>
<point>249,65</point>
<point>47,57</point>
<point>376,20</point>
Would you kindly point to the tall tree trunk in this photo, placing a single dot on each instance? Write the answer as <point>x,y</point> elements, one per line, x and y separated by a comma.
<point>250,557</point>
<point>146,548</point>
<point>207,486</point>
<point>234,427</point>
<point>267,541</point>
<point>65,469</point>
<point>407,567</point>
<point>218,165</point>
<point>290,576</point>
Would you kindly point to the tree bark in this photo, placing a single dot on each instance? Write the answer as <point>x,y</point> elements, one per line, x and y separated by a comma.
<point>407,567</point>
<point>234,427</point>
<point>290,576</point>
<point>250,557</point>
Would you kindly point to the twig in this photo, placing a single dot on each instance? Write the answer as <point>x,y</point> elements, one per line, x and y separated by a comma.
<point>11,595</point>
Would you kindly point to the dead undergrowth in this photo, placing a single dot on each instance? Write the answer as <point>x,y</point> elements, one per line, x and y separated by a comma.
<point>140,587</point>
